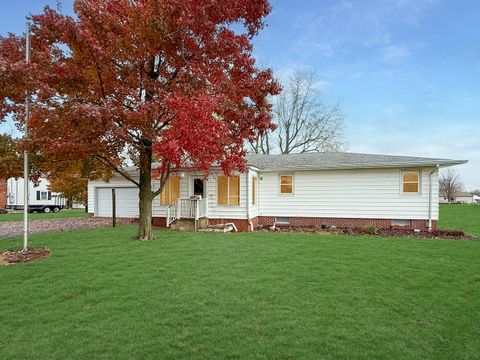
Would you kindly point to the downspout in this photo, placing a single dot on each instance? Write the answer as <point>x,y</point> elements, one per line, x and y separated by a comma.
<point>250,223</point>
<point>430,197</point>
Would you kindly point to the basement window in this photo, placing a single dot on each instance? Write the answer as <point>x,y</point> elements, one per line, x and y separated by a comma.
<point>400,222</point>
<point>282,220</point>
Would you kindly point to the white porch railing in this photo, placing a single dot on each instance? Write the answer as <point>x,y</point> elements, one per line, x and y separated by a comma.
<point>185,208</point>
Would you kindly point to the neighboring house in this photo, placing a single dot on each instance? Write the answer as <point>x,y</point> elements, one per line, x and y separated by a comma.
<point>340,189</point>
<point>40,197</point>
<point>460,198</point>
<point>3,195</point>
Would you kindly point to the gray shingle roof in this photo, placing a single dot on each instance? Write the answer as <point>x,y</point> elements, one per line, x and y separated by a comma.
<point>341,160</point>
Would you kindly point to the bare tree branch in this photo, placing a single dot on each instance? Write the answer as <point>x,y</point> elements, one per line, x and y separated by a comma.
<point>450,184</point>
<point>304,122</point>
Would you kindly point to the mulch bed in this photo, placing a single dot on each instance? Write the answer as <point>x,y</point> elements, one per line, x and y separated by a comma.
<point>435,234</point>
<point>15,256</point>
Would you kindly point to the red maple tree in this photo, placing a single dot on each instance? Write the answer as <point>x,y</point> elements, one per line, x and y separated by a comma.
<point>140,81</point>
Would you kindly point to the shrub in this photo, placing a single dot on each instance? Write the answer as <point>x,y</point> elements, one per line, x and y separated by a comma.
<point>371,229</point>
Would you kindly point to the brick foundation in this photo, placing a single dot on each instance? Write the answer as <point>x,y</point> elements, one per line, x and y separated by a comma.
<point>3,194</point>
<point>242,224</point>
<point>346,222</point>
<point>159,222</point>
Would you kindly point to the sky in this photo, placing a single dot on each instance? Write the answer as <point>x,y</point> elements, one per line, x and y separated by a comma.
<point>406,72</point>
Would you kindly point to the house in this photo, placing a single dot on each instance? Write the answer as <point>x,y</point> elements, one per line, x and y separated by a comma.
<point>340,189</point>
<point>460,197</point>
<point>3,195</point>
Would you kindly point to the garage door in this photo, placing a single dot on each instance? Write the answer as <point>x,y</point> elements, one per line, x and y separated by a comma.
<point>126,199</point>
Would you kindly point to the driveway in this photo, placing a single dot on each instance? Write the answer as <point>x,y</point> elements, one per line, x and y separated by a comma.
<point>15,228</point>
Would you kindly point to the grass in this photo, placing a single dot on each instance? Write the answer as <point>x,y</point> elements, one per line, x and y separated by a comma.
<point>460,217</point>
<point>241,296</point>
<point>62,214</point>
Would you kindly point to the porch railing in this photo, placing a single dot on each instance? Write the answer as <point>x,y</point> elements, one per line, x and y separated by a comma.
<point>186,208</point>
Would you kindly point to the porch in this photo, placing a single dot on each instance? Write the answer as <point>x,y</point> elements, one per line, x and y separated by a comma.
<point>192,212</point>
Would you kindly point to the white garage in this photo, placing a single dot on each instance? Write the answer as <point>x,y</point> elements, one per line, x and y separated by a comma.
<point>125,197</point>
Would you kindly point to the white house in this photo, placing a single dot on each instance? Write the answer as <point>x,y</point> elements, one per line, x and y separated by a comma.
<point>460,197</point>
<point>341,189</point>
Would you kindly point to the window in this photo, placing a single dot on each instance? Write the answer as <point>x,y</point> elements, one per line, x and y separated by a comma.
<point>171,191</point>
<point>286,184</point>
<point>44,195</point>
<point>410,181</point>
<point>400,222</point>
<point>282,220</point>
<point>254,190</point>
<point>228,190</point>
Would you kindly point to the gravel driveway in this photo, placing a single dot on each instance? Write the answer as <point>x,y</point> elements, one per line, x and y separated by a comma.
<point>15,228</point>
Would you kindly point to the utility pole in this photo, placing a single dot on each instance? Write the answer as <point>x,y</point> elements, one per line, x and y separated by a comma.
<point>25,153</point>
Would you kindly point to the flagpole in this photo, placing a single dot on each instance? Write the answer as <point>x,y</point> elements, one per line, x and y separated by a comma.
<point>25,153</point>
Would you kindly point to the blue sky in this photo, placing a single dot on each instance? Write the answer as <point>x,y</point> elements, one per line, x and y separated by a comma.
<point>407,72</point>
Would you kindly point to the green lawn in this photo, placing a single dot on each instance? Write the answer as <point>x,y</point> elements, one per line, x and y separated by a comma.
<point>62,214</point>
<point>241,296</point>
<point>460,217</point>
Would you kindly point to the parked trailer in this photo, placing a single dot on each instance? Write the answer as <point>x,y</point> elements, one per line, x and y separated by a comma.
<point>41,199</point>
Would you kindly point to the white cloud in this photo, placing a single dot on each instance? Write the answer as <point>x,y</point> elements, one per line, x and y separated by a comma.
<point>395,109</point>
<point>363,23</point>
<point>395,53</point>
<point>421,137</point>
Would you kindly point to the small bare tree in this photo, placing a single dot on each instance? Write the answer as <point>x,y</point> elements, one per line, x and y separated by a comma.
<point>304,122</point>
<point>450,184</point>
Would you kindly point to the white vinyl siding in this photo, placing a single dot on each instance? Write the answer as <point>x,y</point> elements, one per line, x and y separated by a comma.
<point>214,211</point>
<point>368,193</point>
<point>253,208</point>
<point>160,210</point>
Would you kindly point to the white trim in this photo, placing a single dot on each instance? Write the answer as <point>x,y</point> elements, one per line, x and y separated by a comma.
<point>419,173</point>
<point>279,190</point>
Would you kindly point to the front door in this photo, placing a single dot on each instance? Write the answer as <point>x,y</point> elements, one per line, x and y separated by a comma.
<point>199,187</point>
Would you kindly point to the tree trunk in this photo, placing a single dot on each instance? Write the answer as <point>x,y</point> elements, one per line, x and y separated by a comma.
<point>145,195</point>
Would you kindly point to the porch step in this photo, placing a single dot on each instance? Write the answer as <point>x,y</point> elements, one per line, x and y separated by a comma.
<point>188,224</point>
<point>229,227</point>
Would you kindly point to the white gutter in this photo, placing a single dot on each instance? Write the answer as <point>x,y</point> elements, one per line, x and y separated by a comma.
<point>430,197</point>
<point>250,223</point>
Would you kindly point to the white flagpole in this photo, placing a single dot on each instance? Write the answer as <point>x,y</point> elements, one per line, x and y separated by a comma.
<point>25,153</point>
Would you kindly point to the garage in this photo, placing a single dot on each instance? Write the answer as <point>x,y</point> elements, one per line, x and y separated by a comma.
<point>126,201</point>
